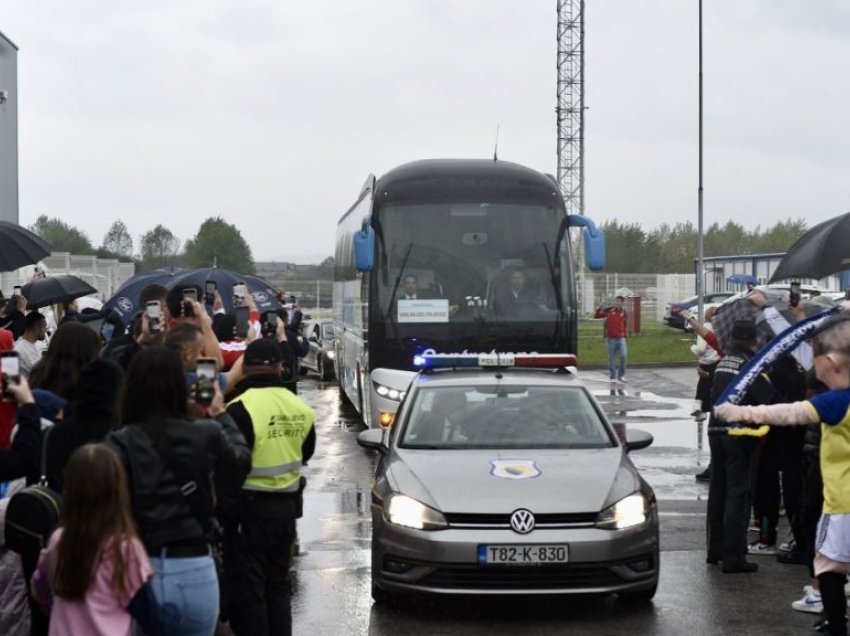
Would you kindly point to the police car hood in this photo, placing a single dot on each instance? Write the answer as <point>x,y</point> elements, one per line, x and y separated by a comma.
<point>497,481</point>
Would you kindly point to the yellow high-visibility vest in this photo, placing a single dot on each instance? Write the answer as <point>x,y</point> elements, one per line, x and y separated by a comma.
<point>281,422</point>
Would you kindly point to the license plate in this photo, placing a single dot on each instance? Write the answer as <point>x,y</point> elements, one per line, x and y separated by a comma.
<point>522,554</point>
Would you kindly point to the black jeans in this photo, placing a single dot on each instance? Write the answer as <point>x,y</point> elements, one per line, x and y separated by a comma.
<point>257,550</point>
<point>781,454</point>
<point>729,498</point>
<point>805,522</point>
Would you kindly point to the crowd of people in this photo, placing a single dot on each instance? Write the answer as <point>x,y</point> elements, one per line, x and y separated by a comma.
<point>785,445</point>
<point>178,490</point>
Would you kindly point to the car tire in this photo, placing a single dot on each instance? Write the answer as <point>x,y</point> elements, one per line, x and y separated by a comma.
<point>326,371</point>
<point>382,597</point>
<point>639,597</point>
<point>320,367</point>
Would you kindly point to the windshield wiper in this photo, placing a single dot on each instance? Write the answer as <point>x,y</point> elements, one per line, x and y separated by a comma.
<point>559,301</point>
<point>388,312</point>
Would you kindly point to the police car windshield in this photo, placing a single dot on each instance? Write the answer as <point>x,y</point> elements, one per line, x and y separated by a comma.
<point>504,417</point>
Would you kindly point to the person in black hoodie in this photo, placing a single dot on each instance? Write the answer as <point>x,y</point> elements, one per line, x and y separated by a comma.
<point>90,416</point>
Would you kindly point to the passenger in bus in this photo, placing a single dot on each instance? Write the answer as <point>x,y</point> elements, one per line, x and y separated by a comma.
<point>411,290</point>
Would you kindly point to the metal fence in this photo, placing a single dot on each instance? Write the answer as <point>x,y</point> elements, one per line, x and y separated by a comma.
<point>656,291</point>
<point>104,274</point>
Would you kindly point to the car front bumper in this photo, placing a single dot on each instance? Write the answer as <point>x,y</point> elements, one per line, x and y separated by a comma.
<point>446,561</point>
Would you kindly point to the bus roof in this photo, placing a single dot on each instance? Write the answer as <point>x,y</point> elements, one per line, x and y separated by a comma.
<point>467,180</point>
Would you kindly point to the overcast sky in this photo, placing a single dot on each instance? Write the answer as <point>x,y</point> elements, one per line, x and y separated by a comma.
<point>271,113</point>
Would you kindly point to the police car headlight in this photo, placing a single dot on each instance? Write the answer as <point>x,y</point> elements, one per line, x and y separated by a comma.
<point>405,511</point>
<point>391,394</point>
<point>330,354</point>
<point>628,512</point>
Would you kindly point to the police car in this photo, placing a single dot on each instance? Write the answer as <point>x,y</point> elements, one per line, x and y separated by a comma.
<point>500,474</point>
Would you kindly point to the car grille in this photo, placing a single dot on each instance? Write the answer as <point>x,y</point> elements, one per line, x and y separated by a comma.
<point>553,521</point>
<point>527,577</point>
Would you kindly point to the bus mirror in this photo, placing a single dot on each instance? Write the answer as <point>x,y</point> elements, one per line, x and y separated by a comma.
<point>364,249</point>
<point>594,241</point>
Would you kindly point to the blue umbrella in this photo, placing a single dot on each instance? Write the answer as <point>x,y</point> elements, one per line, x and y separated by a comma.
<point>742,279</point>
<point>125,302</point>
<point>264,293</point>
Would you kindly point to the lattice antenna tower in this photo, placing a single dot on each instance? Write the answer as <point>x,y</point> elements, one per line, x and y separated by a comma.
<point>570,108</point>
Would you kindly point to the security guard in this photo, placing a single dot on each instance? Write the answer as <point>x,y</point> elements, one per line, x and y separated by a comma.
<point>259,520</point>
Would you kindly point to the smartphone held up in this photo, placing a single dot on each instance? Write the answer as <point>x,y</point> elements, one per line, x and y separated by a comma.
<point>10,371</point>
<point>205,382</point>
<point>154,313</point>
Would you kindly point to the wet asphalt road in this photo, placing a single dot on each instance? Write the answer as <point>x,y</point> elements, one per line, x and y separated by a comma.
<point>331,576</point>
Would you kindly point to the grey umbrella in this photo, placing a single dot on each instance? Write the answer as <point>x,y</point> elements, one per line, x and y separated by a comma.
<point>823,250</point>
<point>55,289</point>
<point>19,247</point>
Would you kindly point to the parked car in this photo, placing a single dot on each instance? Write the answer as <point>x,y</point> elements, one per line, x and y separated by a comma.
<point>673,317</point>
<point>320,357</point>
<point>782,289</point>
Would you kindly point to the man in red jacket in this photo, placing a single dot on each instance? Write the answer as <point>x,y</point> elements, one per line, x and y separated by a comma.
<point>616,333</point>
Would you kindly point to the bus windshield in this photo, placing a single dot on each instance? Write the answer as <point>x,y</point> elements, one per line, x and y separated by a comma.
<point>464,262</point>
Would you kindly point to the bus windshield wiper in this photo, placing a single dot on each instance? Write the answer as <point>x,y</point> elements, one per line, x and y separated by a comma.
<point>388,312</point>
<point>553,277</point>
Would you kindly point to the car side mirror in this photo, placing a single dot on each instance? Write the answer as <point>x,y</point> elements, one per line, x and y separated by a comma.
<point>637,439</point>
<point>373,439</point>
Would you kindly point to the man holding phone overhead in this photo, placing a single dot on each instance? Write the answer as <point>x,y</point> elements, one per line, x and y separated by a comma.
<point>183,306</point>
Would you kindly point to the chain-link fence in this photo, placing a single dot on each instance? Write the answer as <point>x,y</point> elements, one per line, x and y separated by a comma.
<point>656,291</point>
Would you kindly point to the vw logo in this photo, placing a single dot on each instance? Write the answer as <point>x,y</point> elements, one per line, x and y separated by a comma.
<point>522,521</point>
<point>261,297</point>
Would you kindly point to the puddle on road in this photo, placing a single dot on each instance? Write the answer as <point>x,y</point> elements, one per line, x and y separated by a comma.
<point>333,520</point>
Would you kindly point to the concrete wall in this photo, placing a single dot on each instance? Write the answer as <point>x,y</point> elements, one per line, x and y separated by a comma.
<point>8,130</point>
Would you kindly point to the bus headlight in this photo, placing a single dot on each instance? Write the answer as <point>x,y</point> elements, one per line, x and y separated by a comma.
<point>630,511</point>
<point>391,394</point>
<point>405,511</point>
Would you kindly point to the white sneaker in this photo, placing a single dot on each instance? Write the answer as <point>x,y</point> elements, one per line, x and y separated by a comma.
<point>622,378</point>
<point>810,603</point>
<point>760,548</point>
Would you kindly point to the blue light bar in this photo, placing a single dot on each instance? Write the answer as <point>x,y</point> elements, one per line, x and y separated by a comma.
<point>494,360</point>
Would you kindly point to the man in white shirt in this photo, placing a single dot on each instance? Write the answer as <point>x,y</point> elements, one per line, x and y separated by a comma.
<point>35,330</point>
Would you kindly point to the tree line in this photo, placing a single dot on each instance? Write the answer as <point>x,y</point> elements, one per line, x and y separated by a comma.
<point>217,242</point>
<point>671,249</point>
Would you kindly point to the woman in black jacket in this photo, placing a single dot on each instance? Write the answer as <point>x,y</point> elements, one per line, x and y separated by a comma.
<point>170,463</point>
<point>89,417</point>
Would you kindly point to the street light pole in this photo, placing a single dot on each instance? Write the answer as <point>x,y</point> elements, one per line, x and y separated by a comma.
<point>700,264</point>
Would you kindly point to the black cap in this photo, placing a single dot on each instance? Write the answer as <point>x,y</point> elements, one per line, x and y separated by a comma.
<point>265,352</point>
<point>744,330</point>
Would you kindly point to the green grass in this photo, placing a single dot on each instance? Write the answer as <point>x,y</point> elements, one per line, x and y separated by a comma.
<point>655,343</point>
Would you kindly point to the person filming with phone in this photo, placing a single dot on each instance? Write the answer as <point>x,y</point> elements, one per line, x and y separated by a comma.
<point>183,306</point>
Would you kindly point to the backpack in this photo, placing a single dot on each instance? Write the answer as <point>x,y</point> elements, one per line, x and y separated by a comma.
<point>33,513</point>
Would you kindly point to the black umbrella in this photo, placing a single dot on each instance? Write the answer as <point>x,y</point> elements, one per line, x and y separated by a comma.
<point>55,289</point>
<point>125,301</point>
<point>823,250</point>
<point>19,247</point>
<point>264,293</point>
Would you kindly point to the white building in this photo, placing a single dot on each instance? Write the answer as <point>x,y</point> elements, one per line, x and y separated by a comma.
<point>8,130</point>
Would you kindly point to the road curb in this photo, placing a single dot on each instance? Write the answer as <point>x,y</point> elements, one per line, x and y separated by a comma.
<point>643,365</point>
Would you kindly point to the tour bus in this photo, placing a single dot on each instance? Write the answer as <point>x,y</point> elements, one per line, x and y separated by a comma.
<point>451,256</point>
